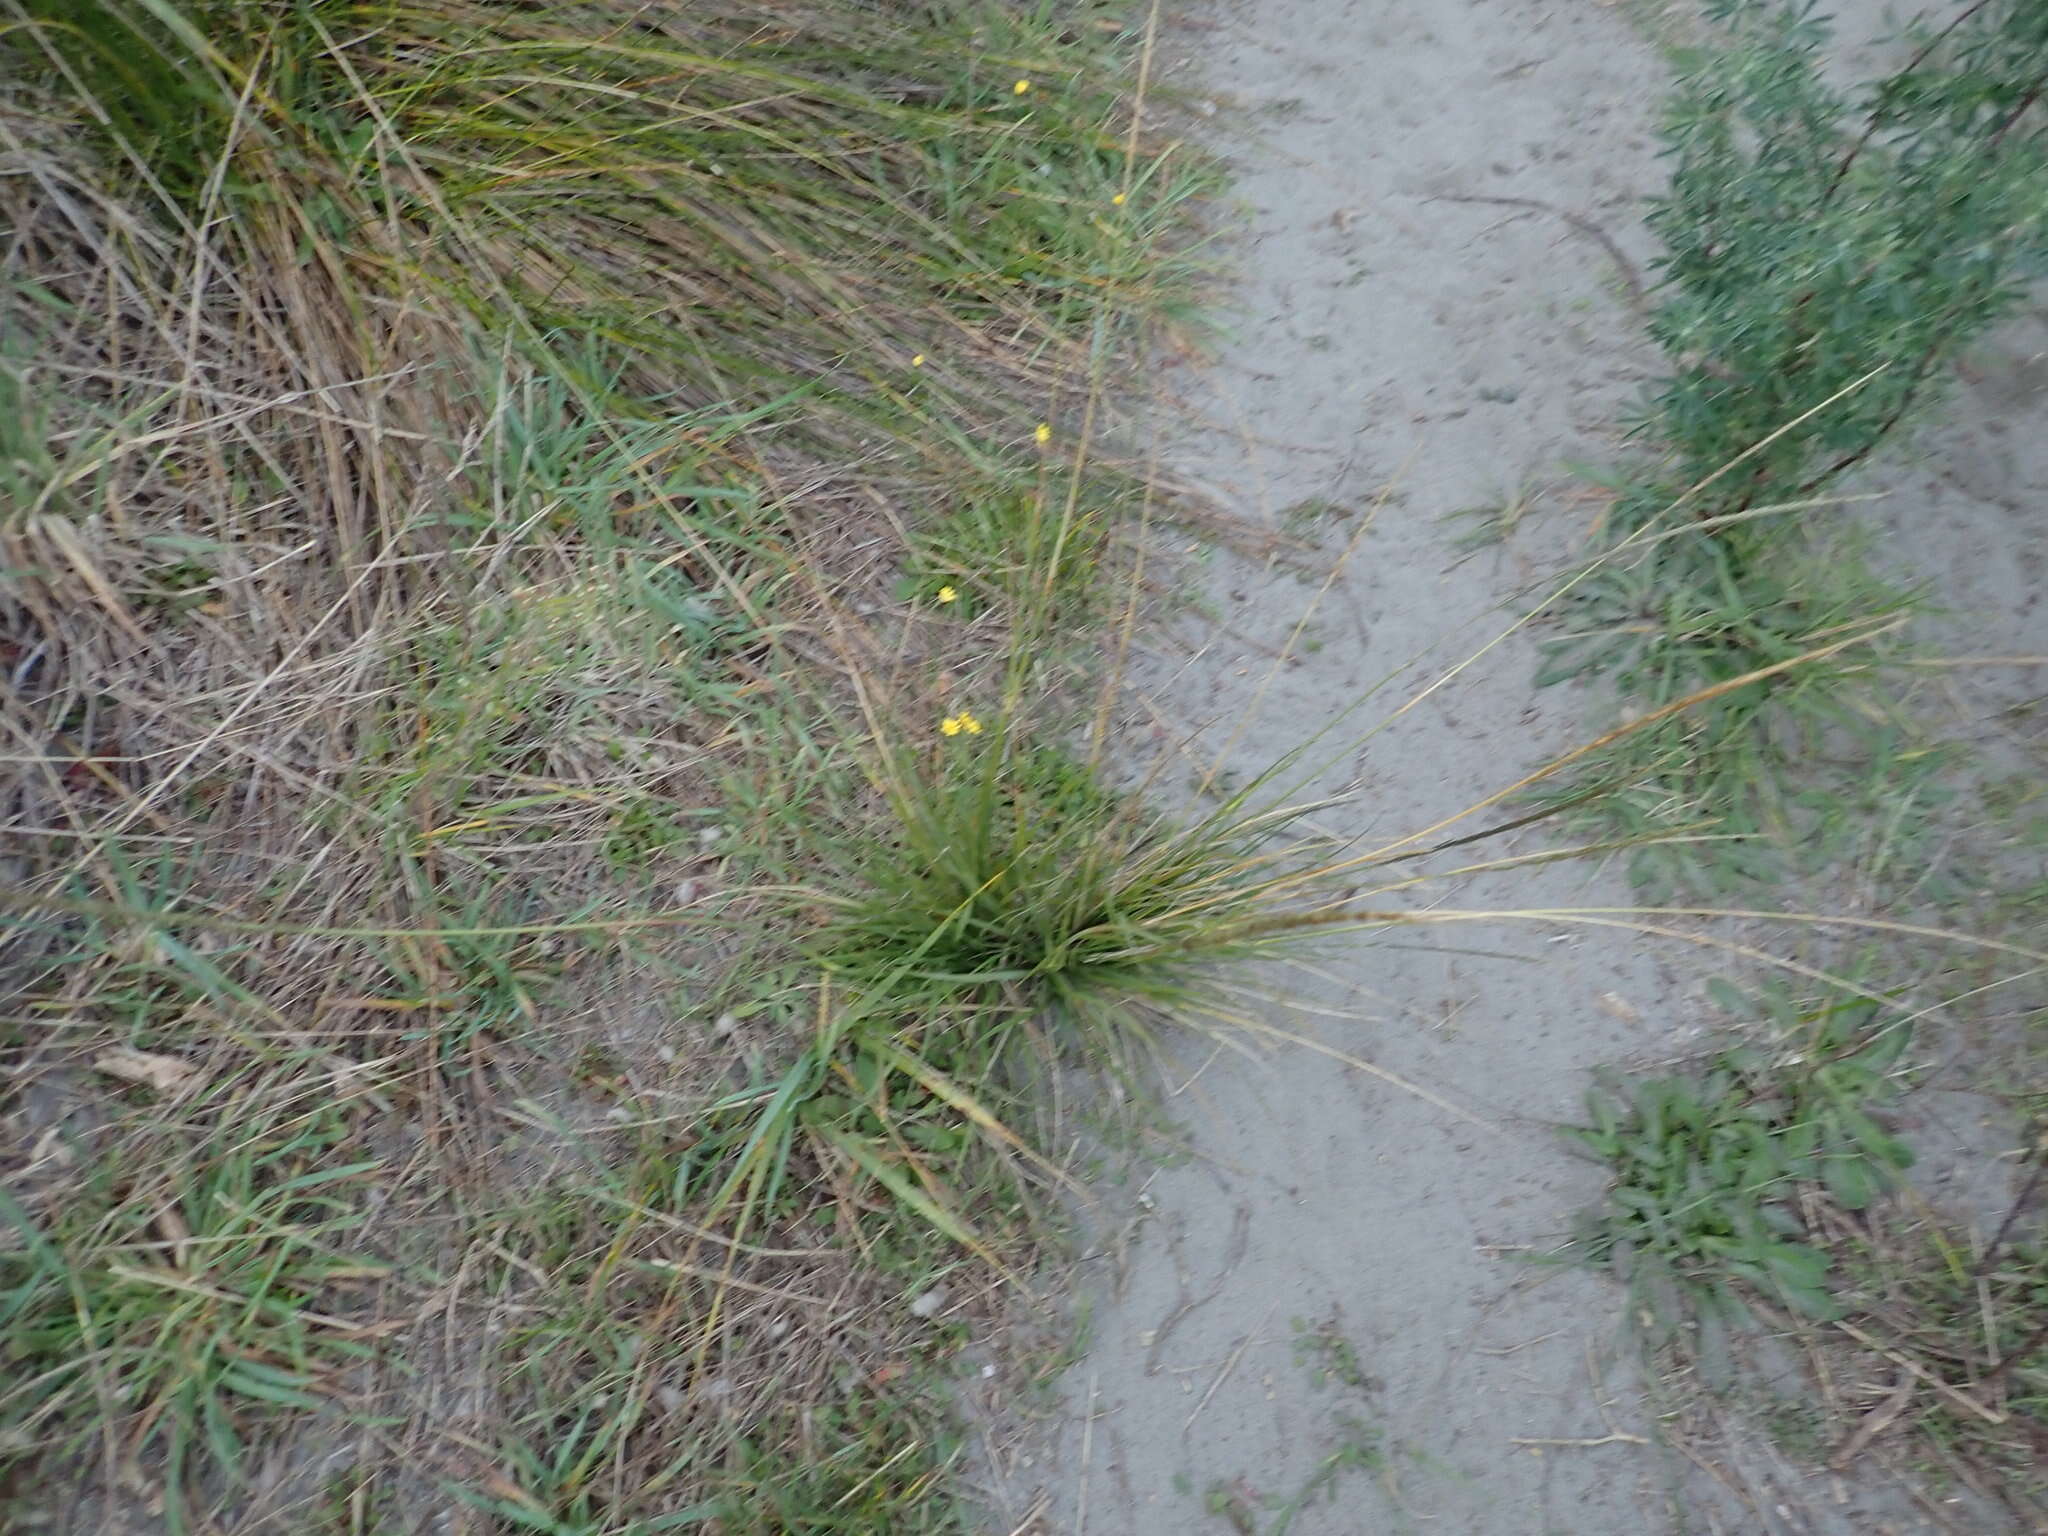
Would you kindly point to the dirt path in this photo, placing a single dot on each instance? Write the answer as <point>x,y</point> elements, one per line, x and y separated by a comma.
<point>1328,1224</point>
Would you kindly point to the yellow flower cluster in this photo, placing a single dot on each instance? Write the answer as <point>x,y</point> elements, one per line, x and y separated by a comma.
<point>948,595</point>
<point>954,725</point>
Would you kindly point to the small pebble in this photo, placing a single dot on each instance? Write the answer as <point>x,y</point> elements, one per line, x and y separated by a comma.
<point>929,1303</point>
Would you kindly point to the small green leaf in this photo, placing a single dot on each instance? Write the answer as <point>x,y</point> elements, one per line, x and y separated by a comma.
<point>900,1185</point>
<point>1728,997</point>
<point>1850,1179</point>
<point>268,1384</point>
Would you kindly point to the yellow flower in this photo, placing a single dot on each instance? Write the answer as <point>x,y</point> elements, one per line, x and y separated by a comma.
<point>953,725</point>
<point>948,595</point>
<point>1020,87</point>
<point>1043,434</point>
<point>917,361</point>
<point>1118,200</point>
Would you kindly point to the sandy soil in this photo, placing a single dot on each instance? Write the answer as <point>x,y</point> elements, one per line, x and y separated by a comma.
<point>1397,350</point>
<point>1452,351</point>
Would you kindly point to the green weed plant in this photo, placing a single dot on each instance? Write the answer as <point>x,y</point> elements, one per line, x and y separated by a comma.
<point>1827,254</point>
<point>1706,1166</point>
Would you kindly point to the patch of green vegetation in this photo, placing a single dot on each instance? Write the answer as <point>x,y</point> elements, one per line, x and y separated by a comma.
<point>189,1292</point>
<point>635,1371</point>
<point>1313,515</point>
<point>1828,253</point>
<point>1006,916</point>
<point>1769,1180</point>
<point>1005,545</point>
<point>469,681</point>
<point>1495,522</point>
<point>898,191</point>
<point>1355,1445</point>
<point>1706,1166</point>
<point>1329,1356</point>
<point>1012,866</point>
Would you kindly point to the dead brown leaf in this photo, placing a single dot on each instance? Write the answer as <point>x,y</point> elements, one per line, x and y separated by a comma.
<point>166,1074</point>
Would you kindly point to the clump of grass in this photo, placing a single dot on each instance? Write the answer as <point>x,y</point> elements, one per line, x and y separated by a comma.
<point>1012,866</point>
<point>1012,546</point>
<point>989,911</point>
<point>182,1289</point>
